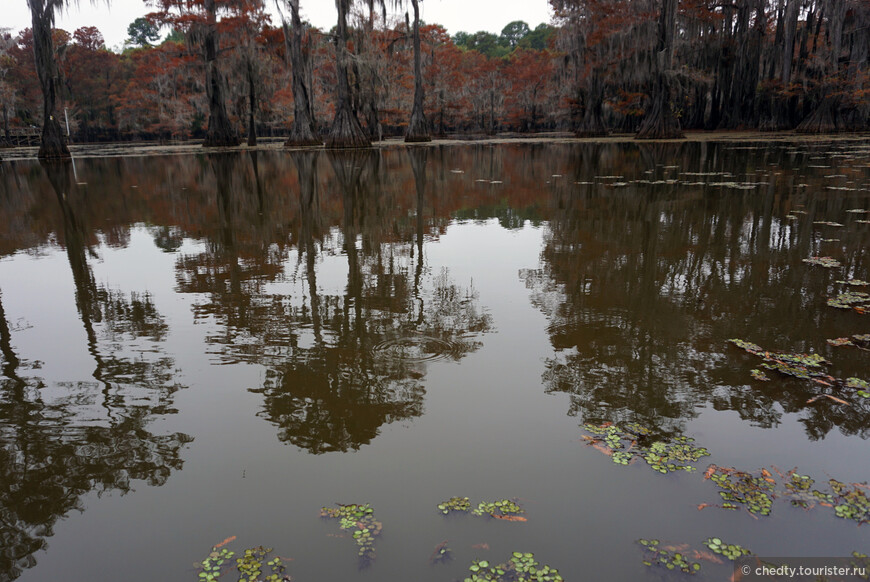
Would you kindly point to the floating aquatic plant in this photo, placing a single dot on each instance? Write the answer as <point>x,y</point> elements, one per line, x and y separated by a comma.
<point>360,519</point>
<point>828,262</point>
<point>862,386</point>
<point>441,554</point>
<point>666,557</point>
<point>666,457</point>
<point>803,366</point>
<point>759,375</point>
<point>827,223</point>
<point>521,567</point>
<point>454,504</point>
<point>861,561</point>
<point>855,282</point>
<point>730,551</point>
<point>741,488</point>
<point>840,342</point>
<point>622,445</point>
<point>850,300</point>
<point>250,565</point>
<point>502,509</point>
<point>850,501</point>
<point>799,490</point>
<point>211,568</point>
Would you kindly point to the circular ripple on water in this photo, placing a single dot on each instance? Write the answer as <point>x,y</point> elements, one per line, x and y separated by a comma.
<point>417,348</point>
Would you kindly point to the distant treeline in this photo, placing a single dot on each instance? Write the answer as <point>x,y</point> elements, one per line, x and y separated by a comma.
<point>767,64</point>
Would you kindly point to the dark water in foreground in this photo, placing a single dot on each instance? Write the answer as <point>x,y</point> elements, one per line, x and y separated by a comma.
<point>200,347</point>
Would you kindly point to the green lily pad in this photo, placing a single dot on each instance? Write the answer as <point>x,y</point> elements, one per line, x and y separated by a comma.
<point>827,262</point>
<point>359,518</point>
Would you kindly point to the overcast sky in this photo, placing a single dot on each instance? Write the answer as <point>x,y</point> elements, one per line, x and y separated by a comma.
<point>455,15</point>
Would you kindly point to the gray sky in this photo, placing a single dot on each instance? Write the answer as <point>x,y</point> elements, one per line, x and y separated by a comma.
<point>455,15</point>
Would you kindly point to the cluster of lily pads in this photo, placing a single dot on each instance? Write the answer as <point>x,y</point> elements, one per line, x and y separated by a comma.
<point>455,504</point>
<point>210,568</point>
<point>672,559</point>
<point>499,508</point>
<point>741,488</point>
<point>359,518</point>
<point>521,567</point>
<point>806,366</point>
<point>677,557</point>
<point>861,340</point>
<point>850,501</point>
<point>730,551</point>
<point>624,444</point>
<point>856,300</point>
<point>506,509</point>
<point>249,565</point>
<point>827,262</point>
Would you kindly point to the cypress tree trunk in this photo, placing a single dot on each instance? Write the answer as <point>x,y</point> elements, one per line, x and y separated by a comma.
<point>221,132</point>
<point>302,132</point>
<point>53,145</point>
<point>346,131</point>
<point>252,106</point>
<point>592,124</point>
<point>660,122</point>
<point>418,127</point>
<point>824,118</point>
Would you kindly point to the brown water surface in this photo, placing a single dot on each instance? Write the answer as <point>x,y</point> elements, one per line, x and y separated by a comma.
<point>195,347</point>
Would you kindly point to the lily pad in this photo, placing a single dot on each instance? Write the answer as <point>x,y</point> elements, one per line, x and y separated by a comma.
<point>855,282</point>
<point>827,262</point>
<point>840,342</point>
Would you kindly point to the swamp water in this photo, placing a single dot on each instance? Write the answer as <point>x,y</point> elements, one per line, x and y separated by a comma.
<point>212,347</point>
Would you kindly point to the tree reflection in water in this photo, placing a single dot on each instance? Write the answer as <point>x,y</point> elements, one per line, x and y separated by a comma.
<point>59,441</point>
<point>339,365</point>
<point>643,282</point>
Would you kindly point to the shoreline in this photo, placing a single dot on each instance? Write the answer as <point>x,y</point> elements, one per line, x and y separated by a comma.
<point>138,149</point>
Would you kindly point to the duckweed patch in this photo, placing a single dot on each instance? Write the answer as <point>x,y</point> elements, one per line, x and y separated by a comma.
<point>521,567</point>
<point>624,445</point>
<point>667,557</point>
<point>360,519</point>
<point>455,504</point>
